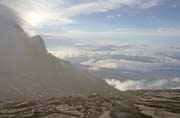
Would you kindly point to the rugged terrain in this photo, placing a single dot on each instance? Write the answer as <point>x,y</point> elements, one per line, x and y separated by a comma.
<point>128,104</point>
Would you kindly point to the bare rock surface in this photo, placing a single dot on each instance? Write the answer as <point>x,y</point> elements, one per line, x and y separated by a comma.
<point>128,104</point>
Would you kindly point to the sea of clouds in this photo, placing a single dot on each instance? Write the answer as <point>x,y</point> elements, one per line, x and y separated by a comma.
<point>127,67</point>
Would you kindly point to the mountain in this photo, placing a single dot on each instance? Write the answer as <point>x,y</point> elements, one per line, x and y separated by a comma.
<point>28,71</point>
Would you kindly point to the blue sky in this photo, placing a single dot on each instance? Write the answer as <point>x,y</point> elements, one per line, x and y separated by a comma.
<point>100,20</point>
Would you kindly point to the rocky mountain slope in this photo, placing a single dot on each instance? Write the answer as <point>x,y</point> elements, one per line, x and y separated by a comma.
<point>128,104</point>
<point>28,71</point>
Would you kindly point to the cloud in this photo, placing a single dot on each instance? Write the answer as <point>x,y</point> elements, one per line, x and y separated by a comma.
<point>10,15</point>
<point>130,57</point>
<point>113,16</point>
<point>40,13</point>
<point>142,84</point>
<point>79,44</point>
<point>97,65</point>
<point>118,34</point>
<point>122,86</point>
<point>119,64</point>
<point>118,15</point>
<point>103,6</point>
<point>110,16</point>
<point>65,53</point>
<point>176,79</point>
<point>130,60</point>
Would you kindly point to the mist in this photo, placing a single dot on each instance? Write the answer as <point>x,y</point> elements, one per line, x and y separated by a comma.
<point>10,15</point>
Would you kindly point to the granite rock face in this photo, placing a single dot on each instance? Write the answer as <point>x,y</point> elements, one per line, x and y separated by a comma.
<point>128,104</point>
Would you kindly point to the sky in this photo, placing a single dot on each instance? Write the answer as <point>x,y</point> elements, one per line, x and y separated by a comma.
<point>100,21</point>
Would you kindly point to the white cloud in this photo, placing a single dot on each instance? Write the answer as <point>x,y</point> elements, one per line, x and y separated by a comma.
<point>114,16</point>
<point>118,15</point>
<point>122,86</point>
<point>65,53</point>
<point>49,12</point>
<point>176,79</point>
<point>103,6</point>
<point>110,16</point>
<point>119,33</point>
<point>119,63</point>
<point>141,84</point>
<point>96,65</point>
<point>38,13</point>
<point>79,44</point>
<point>136,57</point>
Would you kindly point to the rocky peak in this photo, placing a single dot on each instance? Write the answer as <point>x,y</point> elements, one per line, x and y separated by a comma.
<point>38,44</point>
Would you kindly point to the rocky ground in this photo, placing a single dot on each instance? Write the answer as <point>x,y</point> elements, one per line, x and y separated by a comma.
<point>128,104</point>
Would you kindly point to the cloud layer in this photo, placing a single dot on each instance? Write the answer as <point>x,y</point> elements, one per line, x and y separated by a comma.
<point>143,84</point>
<point>130,57</point>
